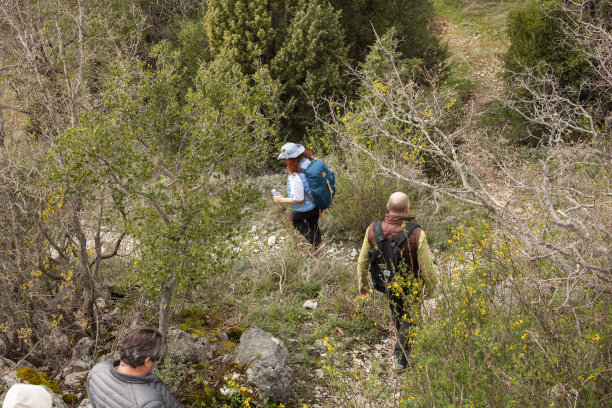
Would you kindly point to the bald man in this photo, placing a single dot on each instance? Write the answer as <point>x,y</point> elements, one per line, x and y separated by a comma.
<point>420,273</point>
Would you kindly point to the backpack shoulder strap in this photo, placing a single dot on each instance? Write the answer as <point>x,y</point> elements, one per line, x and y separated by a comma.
<point>411,226</point>
<point>378,232</point>
<point>404,233</point>
<point>400,238</point>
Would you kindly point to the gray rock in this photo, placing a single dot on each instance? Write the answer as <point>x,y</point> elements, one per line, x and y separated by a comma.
<point>84,349</point>
<point>8,370</point>
<point>186,347</point>
<point>76,380</point>
<point>271,241</point>
<point>320,344</point>
<point>85,403</point>
<point>101,303</point>
<point>563,395</point>
<point>6,365</point>
<point>10,378</point>
<point>266,358</point>
<point>56,342</point>
<point>112,356</point>
<point>310,304</point>
<point>76,365</point>
<point>56,399</point>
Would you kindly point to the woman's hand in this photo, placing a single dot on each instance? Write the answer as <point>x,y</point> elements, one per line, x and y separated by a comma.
<point>279,199</point>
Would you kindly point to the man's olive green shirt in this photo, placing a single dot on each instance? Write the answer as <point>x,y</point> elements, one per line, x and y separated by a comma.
<point>426,267</point>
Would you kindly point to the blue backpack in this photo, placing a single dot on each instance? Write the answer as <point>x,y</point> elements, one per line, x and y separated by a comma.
<point>322,183</point>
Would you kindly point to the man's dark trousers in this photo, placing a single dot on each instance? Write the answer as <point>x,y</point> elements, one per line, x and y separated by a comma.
<point>400,307</point>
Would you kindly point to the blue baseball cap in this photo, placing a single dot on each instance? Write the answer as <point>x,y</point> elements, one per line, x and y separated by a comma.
<point>291,151</point>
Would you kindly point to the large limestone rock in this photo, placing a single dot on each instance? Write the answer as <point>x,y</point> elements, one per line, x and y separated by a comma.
<point>186,347</point>
<point>84,349</point>
<point>8,371</point>
<point>82,358</point>
<point>56,342</point>
<point>57,400</point>
<point>266,358</point>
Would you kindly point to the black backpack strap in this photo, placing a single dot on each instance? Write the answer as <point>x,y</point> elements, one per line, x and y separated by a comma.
<point>378,232</point>
<point>400,238</point>
<point>379,236</point>
<point>404,233</point>
<point>410,227</point>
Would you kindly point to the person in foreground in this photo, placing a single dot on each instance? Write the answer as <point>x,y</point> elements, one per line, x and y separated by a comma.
<point>27,396</point>
<point>417,267</point>
<point>129,382</point>
<point>304,214</point>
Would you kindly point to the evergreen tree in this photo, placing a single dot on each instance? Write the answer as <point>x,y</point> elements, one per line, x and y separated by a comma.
<point>311,60</point>
<point>378,61</point>
<point>241,31</point>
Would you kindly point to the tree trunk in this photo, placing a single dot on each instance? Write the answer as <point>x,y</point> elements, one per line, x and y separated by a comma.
<point>165,308</point>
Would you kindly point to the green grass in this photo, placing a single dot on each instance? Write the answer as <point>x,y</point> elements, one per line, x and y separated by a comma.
<point>487,18</point>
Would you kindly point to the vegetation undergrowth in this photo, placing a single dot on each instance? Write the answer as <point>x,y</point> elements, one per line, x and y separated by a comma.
<point>139,193</point>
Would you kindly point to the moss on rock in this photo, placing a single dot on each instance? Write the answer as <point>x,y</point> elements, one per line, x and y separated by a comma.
<point>228,346</point>
<point>37,378</point>
<point>71,399</point>
<point>234,332</point>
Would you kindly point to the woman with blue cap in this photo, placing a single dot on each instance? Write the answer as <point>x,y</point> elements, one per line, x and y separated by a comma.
<point>304,214</point>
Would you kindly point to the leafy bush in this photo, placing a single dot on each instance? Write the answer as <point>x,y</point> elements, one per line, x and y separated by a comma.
<point>411,20</point>
<point>537,39</point>
<point>362,192</point>
<point>505,333</point>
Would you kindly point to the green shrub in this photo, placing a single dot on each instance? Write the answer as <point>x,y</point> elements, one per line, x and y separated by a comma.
<point>539,46</point>
<point>537,40</point>
<point>361,196</point>
<point>505,334</point>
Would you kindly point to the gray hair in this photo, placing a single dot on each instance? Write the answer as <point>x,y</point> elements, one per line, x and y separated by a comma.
<point>140,343</point>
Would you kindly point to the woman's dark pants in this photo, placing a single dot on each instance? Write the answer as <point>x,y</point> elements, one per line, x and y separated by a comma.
<point>308,225</point>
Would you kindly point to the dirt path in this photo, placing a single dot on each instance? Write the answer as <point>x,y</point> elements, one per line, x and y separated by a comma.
<point>473,57</point>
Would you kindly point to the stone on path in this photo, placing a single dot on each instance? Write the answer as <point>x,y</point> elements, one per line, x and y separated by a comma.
<point>266,358</point>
